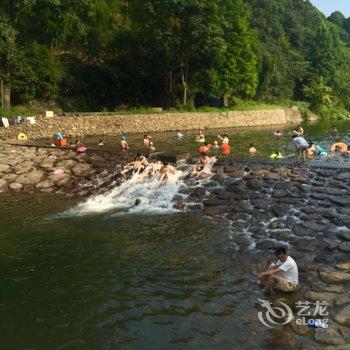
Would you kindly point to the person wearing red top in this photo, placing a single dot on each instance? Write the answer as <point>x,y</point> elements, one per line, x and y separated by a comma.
<point>225,149</point>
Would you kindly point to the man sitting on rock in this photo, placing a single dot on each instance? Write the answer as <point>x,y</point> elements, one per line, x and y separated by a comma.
<point>281,276</point>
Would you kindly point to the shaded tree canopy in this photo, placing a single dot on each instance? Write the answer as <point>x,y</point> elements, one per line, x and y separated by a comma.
<point>94,54</point>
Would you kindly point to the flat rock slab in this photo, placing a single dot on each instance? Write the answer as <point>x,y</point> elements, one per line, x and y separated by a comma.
<point>340,200</point>
<point>344,266</point>
<point>343,317</point>
<point>328,336</point>
<point>344,247</point>
<point>344,235</point>
<point>325,287</point>
<point>331,276</point>
<point>321,296</point>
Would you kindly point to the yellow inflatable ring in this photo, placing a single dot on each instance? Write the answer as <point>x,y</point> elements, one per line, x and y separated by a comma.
<point>22,137</point>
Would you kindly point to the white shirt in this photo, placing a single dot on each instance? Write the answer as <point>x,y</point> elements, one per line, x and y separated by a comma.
<point>300,142</point>
<point>289,270</point>
<point>225,140</point>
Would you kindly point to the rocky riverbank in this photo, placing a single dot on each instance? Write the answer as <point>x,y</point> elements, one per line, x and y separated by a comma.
<point>97,124</point>
<point>51,170</point>
<point>306,210</point>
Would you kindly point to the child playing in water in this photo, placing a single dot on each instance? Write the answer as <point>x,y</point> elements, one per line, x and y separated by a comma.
<point>140,163</point>
<point>203,166</point>
<point>252,149</point>
<point>151,148</point>
<point>334,130</point>
<point>146,140</point>
<point>200,136</point>
<point>123,144</point>
<point>299,131</point>
<point>100,143</point>
<point>224,139</point>
<point>166,171</point>
<point>276,155</point>
<point>216,145</point>
<point>152,169</point>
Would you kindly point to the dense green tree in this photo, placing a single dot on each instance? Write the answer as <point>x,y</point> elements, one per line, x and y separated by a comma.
<point>94,54</point>
<point>325,52</point>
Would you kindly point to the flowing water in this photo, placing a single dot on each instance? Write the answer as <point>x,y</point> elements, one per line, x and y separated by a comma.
<point>102,273</point>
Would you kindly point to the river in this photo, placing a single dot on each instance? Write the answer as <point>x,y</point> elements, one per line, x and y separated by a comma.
<point>143,279</point>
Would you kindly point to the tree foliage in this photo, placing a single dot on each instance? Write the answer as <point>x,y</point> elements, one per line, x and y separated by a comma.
<point>94,54</point>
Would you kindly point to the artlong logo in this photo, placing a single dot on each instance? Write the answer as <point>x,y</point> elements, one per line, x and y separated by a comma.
<point>274,315</point>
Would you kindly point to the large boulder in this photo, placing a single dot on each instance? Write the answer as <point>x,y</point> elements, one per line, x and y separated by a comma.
<point>31,178</point>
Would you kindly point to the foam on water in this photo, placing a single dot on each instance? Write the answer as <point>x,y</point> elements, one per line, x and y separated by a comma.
<point>152,195</point>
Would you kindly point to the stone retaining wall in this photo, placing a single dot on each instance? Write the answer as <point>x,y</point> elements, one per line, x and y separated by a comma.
<point>73,126</point>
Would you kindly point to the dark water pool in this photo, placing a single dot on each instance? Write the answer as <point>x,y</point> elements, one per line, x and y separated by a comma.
<point>130,282</point>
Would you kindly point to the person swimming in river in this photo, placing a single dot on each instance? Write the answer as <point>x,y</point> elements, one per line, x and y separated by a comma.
<point>203,166</point>
<point>224,139</point>
<point>123,144</point>
<point>252,149</point>
<point>151,169</point>
<point>278,133</point>
<point>166,171</point>
<point>139,164</point>
<point>225,149</point>
<point>216,145</point>
<point>299,131</point>
<point>339,147</point>
<point>146,140</point>
<point>75,143</point>
<point>200,136</point>
<point>179,135</point>
<point>315,150</point>
<point>151,148</point>
<point>334,130</point>
<point>204,148</point>
<point>100,143</point>
<point>276,155</point>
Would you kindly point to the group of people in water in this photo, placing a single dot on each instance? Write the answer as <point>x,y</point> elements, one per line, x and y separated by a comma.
<point>143,168</point>
<point>308,150</point>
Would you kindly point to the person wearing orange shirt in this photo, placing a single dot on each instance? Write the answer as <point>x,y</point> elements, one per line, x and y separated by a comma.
<point>225,149</point>
<point>204,148</point>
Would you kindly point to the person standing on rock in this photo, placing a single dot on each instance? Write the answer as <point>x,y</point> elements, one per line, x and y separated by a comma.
<point>283,275</point>
<point>301,146</point>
